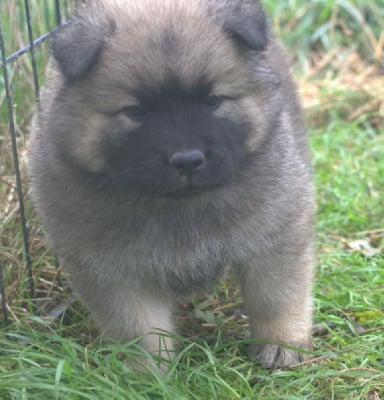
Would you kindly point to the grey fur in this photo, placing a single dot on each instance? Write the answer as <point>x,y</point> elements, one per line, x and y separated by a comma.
<point>132,255</point>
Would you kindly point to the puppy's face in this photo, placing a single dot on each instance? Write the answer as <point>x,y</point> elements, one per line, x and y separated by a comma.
<point>167,103</point>
<point>173,141</point>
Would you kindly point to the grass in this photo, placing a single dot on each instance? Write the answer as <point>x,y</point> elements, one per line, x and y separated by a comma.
<point>338,52</point>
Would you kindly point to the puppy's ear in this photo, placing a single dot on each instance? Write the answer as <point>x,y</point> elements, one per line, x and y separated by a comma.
<point>76,46</point>
<point>245,21</point>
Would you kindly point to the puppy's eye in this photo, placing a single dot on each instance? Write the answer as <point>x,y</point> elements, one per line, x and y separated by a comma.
<point>135,112</point>
<point>213,102</point>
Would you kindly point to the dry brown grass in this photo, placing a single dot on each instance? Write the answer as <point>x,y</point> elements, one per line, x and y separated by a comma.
<point>350,85</point>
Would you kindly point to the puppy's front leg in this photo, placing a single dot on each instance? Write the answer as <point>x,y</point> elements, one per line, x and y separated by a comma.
<point>124,313</point>
<point>277,296</point>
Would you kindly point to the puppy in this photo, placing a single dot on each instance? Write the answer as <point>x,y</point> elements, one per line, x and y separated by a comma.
<point>169,142</point>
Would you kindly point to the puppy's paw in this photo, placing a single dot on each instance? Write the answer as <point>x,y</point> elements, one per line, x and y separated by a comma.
<point>274,356</point>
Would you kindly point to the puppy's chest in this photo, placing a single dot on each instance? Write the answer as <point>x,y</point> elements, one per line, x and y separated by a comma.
<point>180,260</point>
<point>166,243</point>
<point>180,255</point>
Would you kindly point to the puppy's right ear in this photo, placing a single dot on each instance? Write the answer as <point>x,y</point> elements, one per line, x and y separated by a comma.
<point>76,46</point>
<point>244,20</point>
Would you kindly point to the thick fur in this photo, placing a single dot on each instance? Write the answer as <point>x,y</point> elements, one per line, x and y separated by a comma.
<point>131,84</point>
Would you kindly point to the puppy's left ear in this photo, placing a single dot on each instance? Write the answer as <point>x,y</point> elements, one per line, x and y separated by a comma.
<point>245,20</point>
<point>77,45</point>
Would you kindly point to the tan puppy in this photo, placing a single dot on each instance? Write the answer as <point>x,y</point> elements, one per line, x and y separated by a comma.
<point>169,143</point>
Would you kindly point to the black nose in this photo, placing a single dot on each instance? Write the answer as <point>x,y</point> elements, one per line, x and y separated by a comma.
<point>188,161</point>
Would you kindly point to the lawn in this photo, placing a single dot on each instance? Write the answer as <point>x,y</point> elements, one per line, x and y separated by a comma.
<point>52,350</point>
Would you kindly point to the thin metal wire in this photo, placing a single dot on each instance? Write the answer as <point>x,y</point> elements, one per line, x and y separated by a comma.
<point>3,297</point>
<point>25,49</point>
<point>58,12</point>
<point>32,48</point>
<point>27,255</point>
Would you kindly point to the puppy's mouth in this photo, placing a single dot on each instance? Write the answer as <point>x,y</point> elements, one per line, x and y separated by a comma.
<point>187,188</point>
<point>185,192</point>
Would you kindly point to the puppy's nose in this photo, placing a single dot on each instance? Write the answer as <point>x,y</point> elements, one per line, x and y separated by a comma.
<point>187,162</point>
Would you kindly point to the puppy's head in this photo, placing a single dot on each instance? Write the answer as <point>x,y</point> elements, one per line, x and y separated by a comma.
<point>163,97</point>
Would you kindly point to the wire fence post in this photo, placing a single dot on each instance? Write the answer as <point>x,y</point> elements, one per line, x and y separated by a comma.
<point>8,96</point>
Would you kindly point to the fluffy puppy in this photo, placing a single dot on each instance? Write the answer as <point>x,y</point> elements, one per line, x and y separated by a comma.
<point>168,143</point>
